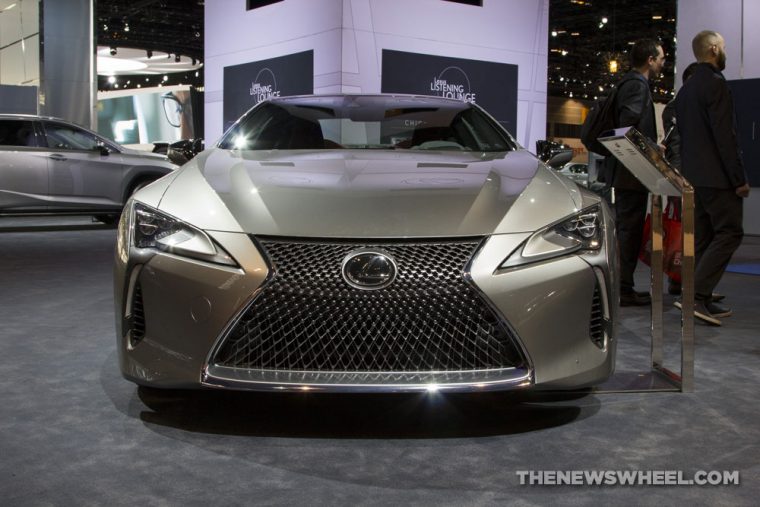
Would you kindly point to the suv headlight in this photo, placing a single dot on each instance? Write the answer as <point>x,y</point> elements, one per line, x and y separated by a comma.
<point>580,232</point>
<point>150,228</point>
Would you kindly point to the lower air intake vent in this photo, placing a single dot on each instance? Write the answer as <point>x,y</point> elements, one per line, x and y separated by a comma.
<point>597,323</point>
<point>137,319</point>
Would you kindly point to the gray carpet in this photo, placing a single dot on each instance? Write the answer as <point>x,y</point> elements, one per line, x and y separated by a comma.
<point>73,432</point>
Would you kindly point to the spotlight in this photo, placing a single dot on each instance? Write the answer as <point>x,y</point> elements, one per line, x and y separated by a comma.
<point>113,51</point>
<point>177,58</point>
<point>149,53</point>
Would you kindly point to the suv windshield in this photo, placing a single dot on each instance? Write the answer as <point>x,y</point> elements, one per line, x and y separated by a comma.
<point>366,122</point>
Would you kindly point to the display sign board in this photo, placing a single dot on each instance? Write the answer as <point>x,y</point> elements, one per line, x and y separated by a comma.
<point>148,115</point>
<point>248,84</point>
<point>491,85</point>
<point>745,92</point>
<point>645,161</point>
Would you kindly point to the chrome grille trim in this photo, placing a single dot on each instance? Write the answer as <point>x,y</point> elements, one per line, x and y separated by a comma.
<point>357,382</point>
<point>498,354</point>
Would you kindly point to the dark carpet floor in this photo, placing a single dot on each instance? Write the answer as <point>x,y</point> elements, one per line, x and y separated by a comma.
<point>73,432</point>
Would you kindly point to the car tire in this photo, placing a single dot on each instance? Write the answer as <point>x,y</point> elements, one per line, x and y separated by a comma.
<point>108,218</point>
<point>138,186</point>
<point>113,218</point>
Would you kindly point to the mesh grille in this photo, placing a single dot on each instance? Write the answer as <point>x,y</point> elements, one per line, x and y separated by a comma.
<point>596,324</point>
<point>308,318</point>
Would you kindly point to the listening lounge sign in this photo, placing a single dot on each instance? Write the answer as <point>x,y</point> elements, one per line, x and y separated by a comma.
<point>491,85</point>
<point>248,84</point>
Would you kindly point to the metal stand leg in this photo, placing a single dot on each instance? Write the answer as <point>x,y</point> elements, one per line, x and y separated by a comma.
<point>687,291</point>
<point>656,282</point>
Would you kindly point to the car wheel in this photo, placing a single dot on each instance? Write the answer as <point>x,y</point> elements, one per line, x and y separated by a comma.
<point>108,219</point>
<point>138,186</point>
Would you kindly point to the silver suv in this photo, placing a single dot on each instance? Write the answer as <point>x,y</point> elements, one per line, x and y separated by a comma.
<point>51,165</point>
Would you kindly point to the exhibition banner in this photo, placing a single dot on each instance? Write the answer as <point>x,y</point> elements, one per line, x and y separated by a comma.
<point>491,85</point>
<point>248,84</point>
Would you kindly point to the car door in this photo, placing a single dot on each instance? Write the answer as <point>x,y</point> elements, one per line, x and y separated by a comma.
<point>85,170</point>
<point>23,167</point>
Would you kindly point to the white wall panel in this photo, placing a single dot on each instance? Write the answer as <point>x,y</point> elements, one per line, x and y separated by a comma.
<point>723,17</point>
<point>12,65</point>
<point>503,31</point>
<point>10,26</point>
<point>30,17</point>
<point>751,58</point>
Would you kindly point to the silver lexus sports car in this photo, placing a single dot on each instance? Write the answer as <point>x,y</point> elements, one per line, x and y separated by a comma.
<point>366,243</point>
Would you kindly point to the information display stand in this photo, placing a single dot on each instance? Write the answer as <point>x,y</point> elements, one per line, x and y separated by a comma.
<point>645,161</point>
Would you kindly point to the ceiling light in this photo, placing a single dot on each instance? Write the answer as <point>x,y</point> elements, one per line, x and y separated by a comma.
<point>613,66</point>
<point>656,17</point>
<point>11,6</point>
<point>166,78</point>
<point>564,52</point>
<point>604,20</point>
<point>554,33</point>
<point>111,79</point>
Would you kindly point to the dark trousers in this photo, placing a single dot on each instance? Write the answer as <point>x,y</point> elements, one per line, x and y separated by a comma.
<point>718,216</point>
<point>630,213</point>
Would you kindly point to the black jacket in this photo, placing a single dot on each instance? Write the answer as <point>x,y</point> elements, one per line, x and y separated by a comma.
<point>633,108</point>
<point>672,141</point>
<point>710,155</point>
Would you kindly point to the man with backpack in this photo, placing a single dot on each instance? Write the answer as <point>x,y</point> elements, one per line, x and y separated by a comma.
<point>633,106</point>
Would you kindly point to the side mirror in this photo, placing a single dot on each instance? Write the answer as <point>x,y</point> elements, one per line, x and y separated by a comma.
<point>560,158</point>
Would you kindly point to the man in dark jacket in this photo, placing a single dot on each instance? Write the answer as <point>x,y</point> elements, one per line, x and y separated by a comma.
<point>672,143</point>
<point>633,107</point>
<point>711,161</point>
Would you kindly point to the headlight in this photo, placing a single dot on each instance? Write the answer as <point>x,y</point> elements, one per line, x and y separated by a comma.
<point>153,229</point>
<point>580,232</point>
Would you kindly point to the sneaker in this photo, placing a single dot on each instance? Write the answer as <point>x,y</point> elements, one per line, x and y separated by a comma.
<point>701,313</point>
<point>718,310</point>
<point>674,289</point>
<point>635,299</point>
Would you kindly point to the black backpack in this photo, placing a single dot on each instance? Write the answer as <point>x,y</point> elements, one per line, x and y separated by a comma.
<point>600,119</point>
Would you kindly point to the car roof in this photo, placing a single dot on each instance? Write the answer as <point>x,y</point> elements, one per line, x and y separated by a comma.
<point>405,96</point>
<point>23,116</point>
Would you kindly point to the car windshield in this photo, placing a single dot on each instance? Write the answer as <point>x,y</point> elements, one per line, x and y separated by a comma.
<point>368,123</point>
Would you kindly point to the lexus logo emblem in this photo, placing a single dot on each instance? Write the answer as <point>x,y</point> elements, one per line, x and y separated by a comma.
<point>369,269</point>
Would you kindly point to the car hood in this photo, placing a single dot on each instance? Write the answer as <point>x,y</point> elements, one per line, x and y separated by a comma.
<point>372,194</point>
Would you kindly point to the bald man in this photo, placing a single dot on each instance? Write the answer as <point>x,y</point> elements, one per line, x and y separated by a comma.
<point>711,161</point>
